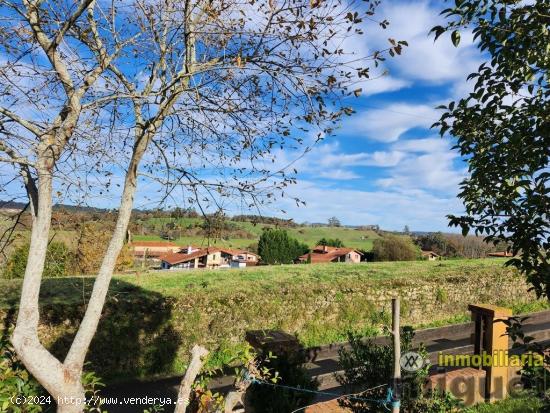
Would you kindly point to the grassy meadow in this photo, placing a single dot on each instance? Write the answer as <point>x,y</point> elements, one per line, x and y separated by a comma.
<point>354,238</point>
<point>152,319</point>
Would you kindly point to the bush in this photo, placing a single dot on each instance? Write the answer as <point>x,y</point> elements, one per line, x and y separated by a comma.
<point>16,381</point>
<point>92,243</point>
<point>368,365</point>
<point>289,369</point>
<point>58,263</point>
<point>394,248</point>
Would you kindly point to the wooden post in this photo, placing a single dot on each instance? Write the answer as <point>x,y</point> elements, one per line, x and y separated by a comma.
<point>396,355</point>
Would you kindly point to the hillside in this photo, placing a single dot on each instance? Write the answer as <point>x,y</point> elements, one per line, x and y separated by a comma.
<point>243,233</point>
<point>151,320</point>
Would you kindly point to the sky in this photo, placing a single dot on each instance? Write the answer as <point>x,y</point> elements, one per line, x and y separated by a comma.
<point>385,165</point>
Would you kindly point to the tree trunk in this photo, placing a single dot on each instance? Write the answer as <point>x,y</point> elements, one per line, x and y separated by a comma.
<point>56,378</point>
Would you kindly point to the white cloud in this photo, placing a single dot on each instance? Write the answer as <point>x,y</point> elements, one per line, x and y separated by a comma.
<point>330,155</point>
<point>382,83</point>
<point>423,59</point>
<point>387,123</point>
<point>428,166</point>
<point>391,210</point>
<point>339,174</point>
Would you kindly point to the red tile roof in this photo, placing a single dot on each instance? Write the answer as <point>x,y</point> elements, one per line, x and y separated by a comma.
<point>500,254</point>
<point>179,257</point>
<point>318,254</point>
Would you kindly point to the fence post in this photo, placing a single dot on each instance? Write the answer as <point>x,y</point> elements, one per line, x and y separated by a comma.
<point>396,355</point>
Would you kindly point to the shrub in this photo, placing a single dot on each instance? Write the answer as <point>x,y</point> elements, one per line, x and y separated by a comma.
<point>368,365</point>
<point>58,261</point>
<point>92,243</point>
<point>16,381</point>
<point>394,248</point>
<point>290,371</point>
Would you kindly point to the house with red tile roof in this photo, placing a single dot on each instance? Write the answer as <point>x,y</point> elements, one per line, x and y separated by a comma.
<point>153,249</point>
<point>324,253</point>
<point>430,255</point>
<point>500,254</point>
<point>211,257</point>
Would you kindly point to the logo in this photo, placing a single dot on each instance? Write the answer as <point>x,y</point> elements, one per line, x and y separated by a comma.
<point>412,361</point>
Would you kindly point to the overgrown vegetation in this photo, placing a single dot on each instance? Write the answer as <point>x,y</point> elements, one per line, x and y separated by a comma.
<point>289,368</point>
<point>395,248</point>
<point>368,365</point>
<point>59,261</point>
<point>16,384</point>
<point>524,402</point>
<point>457,246</point>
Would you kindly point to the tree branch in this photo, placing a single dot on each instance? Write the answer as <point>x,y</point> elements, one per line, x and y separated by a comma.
<point>197,360</point>
<point>31,127</point>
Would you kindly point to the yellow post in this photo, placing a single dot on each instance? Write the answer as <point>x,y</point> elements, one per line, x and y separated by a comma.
<point>491,344</point>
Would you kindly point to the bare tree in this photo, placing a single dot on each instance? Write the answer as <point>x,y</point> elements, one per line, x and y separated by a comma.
<point>198,95</point>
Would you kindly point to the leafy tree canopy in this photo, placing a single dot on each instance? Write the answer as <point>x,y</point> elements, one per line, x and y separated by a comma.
<point>277,247</point>
<point>394,248</point>
<point>334,222</point>
<point>502,128</point>
<point>58,261</point>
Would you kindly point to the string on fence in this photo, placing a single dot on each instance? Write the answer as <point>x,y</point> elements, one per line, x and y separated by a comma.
<point>387,401</point>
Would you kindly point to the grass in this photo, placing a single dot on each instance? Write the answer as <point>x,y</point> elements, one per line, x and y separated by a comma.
<point>523,402</point>
<point>152,319</point>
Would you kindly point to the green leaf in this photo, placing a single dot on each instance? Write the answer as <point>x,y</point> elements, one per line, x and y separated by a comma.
<point>455,38</point>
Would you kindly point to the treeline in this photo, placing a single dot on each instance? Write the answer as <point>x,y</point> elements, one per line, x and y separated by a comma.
<point>456,245</point>
<point>392,247</point>
<point>258,219</point>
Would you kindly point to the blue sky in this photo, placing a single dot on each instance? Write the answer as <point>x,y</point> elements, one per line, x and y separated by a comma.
<point>385,165</point>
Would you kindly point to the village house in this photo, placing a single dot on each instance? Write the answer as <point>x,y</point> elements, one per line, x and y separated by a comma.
<point>430,255</point>
<point>153,250</point>
<point>324,253</point>
<point>244,259</point>
<point>500,254</point>
<point>194,258</point>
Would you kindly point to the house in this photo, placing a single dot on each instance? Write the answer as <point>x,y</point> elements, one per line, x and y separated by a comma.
<point>324,253</point>
<point>191,258</point>
<point>153,249</point>
<point>430,255</point>
<point>245,259</point>
<point>200,258</point>
<point>500,254</point>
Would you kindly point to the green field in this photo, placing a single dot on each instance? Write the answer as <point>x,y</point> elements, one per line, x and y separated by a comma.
<point>361,239</point>
<point>152,319</point>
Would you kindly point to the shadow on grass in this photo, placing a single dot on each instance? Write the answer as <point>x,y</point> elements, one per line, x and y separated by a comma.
<point>135,336</point>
